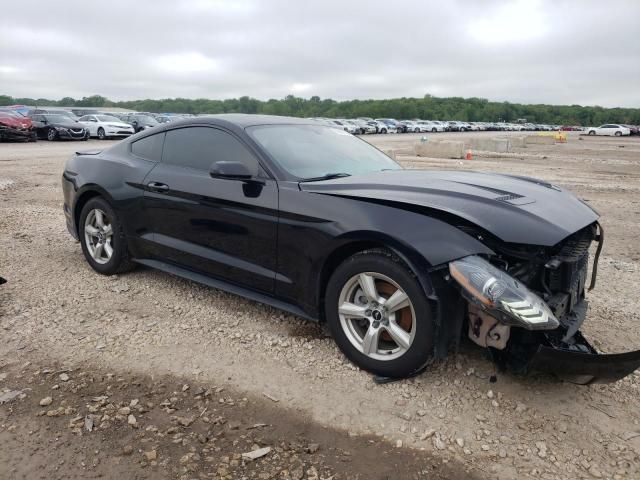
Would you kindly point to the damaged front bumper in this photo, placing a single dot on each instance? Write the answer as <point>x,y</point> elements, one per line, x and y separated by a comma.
<point>581,363</point>
<point>522,332</point>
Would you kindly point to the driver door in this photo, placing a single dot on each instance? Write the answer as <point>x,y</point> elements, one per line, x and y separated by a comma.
<point>224,228</point>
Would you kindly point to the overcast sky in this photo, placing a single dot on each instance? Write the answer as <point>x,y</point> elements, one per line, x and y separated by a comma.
<point>564,52</point>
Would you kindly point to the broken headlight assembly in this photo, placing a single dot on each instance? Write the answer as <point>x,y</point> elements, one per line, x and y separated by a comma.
<point>502,296</point>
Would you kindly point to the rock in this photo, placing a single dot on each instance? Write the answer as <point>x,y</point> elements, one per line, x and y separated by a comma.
<point>542,449</point>
<point>421,413</point>
<point>64,377</point>
<point>258,453</point>
<point>124,411</point>
<point>46,401</point>
<point>521,408</point>
<point>88,423</point>
<point>6,397</point>
<point>438,442</point>
<point>595,472</point>
<point>151,455</point>
<point>127,450</point>
<point>490,394</point>
<point>399,444</point>
<point>427,434</point>
<point>313,447</point>
<point>131,420</point>
<point>460,442</point>
<point>185,421</point>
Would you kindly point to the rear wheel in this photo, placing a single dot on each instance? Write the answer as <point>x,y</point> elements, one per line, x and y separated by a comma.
<point>618,133</point>
<point>384,130</point>
<point>434,130</point>
<point>592,132</point>
<point>378,314</point>
<point>102,238</point>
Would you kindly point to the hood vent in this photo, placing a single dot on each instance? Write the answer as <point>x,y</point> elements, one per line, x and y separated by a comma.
<point>514,199</point>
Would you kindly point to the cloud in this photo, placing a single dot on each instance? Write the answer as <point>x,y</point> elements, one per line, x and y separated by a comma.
<point>545,51</point>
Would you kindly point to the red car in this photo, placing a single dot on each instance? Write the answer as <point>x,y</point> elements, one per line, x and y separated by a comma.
<point>14,126</point>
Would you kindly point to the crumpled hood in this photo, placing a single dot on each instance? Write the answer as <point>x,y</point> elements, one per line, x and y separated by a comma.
<point>514,209</point>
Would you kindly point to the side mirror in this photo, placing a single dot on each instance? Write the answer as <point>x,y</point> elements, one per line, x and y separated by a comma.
<point>230,170</point>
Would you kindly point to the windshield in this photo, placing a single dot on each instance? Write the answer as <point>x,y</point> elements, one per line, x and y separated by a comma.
<point>106,118</point>
<point>57,118</point>
<point>307,151</point>
<point>146,119</point>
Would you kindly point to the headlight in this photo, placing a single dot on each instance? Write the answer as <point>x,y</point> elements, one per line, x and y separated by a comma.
<point>60,129</point>
<point>504,297</point>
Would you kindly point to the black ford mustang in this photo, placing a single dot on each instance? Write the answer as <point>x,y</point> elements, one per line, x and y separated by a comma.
<point>310,219</point>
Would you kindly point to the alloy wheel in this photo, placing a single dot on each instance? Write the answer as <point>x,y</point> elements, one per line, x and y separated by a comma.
<point>51,134</point>
<point>377,316</point>
<point>98,236</point>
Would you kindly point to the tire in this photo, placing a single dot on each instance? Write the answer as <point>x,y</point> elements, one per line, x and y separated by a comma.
<point>52,134</point>
<point>384,130</point>
<point>118,261</point>
<point>462,129</point>
<point>434,130</point>
<point>412,324</point>
<point>592,132</point>
<point>618,134</point>
<point>416,130</point>
<point>101,135</point>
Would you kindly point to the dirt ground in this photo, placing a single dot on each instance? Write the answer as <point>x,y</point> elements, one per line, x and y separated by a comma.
<point>154,333</point>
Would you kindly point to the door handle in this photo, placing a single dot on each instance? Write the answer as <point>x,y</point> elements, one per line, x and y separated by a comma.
<point>158,187</point>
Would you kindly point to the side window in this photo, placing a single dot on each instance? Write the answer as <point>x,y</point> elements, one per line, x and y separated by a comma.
<point>200,147</point>
<point>149,148</point>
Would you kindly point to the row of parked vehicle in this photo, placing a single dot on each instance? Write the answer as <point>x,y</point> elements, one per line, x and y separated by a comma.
<point>19,122</point>
<point>363,125</point>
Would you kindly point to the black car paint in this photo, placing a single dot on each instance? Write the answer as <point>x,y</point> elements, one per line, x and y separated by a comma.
<point>276,240</point>
<point>42,126</point>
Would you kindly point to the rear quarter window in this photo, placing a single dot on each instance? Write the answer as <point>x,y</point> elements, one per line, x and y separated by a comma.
<point>149,148</point>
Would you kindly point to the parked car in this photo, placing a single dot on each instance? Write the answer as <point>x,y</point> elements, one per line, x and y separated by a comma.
<point>633,129</point>
<point>14,126</point>
<point>140,121</point>
<point>66,113</point>
<point>388,125</point>
<point>411,126</point>
<point>58,127</point>
<point>106,126</point>
<point>400,264</point>
<point>609,129</point>
<point>343,125</point>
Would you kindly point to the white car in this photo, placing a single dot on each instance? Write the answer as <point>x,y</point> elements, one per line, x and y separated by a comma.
<point>428,126</point>
<point>106,126</point>
<point>609,129</point>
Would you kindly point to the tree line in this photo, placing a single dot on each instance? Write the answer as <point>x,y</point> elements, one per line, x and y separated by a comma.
<point>427,107</point>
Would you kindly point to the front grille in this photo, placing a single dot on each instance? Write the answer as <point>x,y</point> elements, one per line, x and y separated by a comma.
<point>565,276</point>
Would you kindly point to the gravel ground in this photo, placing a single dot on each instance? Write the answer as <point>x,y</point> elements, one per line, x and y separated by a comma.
<point>56,309</point>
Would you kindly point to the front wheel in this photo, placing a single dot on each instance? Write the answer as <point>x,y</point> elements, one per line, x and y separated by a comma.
<point>101,134</point>
<point>434,130</point>
<point>379,315</point>
<point>102,238</point>
<point>384,130</point>
<point>52,134</point>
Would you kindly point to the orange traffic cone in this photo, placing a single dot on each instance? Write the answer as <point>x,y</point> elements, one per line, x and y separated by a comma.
<point>468,156</point>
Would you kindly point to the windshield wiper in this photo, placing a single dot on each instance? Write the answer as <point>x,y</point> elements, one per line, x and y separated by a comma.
<point>327,176</point>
